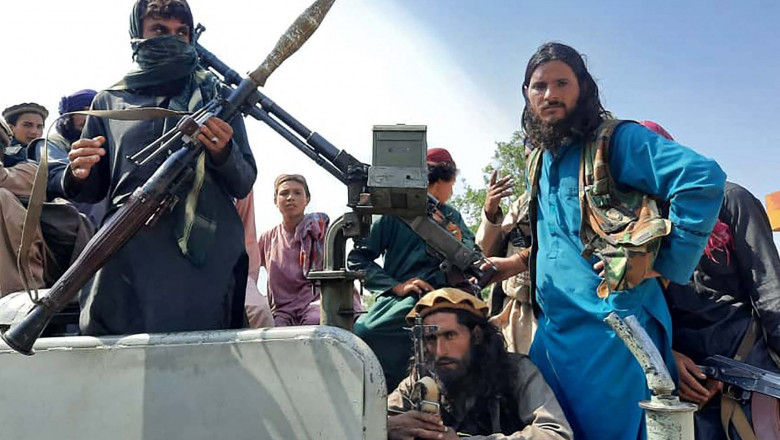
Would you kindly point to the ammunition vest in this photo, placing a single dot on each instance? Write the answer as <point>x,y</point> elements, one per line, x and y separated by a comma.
<point>621,226</point>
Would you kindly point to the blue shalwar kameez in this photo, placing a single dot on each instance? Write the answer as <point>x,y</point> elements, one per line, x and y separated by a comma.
<point>596,379</point>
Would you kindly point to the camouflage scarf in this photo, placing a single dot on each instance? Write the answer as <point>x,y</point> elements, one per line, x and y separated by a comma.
<point>195,226</point>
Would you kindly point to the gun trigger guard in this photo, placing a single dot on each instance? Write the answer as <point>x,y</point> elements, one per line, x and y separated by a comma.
<point>736,393</point>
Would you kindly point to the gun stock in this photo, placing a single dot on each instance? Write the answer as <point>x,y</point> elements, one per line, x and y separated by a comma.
<point>157,191</point>
<point>143,204</point>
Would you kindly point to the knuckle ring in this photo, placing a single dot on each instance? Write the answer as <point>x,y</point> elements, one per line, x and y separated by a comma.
<point>214,139</point>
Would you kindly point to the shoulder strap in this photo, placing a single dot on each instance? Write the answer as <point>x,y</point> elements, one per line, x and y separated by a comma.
<point>595,175</point>
<point>33,215</point>
<point>534,171</point>
<point>731,412</point>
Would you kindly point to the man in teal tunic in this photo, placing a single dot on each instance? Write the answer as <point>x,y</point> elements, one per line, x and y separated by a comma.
<point>409,272</point>
<point>594,376</point>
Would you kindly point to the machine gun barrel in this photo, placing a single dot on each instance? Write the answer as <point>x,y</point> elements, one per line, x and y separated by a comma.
<point>232,78</point>
<point>341,164</point>
<point>159,190</point>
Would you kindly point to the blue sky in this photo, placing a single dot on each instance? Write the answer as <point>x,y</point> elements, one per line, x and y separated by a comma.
<point>707,71</point>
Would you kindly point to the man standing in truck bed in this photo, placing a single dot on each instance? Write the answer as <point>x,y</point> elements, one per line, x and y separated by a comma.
<point>612,171</point>
<point>187,271</point>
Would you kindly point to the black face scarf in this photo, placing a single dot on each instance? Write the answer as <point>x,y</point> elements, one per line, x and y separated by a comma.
<point>160,60</point>
<point>165,63</point>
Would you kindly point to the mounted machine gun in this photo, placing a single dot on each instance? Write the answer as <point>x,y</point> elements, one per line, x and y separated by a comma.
<point>394,184</point>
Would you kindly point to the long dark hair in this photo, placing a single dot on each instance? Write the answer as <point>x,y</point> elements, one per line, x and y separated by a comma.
<point>589,112</point>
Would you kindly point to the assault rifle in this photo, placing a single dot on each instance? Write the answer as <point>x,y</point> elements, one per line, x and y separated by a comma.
<point>740,379</point>
<point>156,195</point>
<point>26,321</point>
<point>425,392</point>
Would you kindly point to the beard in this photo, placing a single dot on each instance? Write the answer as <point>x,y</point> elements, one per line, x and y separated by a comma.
<point>455,378</point>
<point>68,130</point>
<point>549,135</point>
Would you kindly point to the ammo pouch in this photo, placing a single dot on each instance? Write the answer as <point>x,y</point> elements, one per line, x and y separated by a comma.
<point>623,227</point>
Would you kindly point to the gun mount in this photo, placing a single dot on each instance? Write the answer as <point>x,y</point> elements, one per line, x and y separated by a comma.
<point>425,391</point>
<point>394,184</point>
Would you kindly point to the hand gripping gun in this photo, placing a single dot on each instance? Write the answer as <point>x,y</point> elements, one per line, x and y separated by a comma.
<point>425,394</point>
<point>394,184</point>
<point>370,191</point>
<point>741,379</point>
<point>24,320</point>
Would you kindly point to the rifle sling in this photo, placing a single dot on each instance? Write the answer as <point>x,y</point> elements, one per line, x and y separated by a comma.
<point>731,412</point>
<point>535,166</point>
<point>33,215</point>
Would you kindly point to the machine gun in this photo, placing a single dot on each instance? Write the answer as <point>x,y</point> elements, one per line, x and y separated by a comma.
<point>394,184</point>
<point>28,319</point>
<point>367,188</point>
<point>741,379</point>
<point>425,392</point>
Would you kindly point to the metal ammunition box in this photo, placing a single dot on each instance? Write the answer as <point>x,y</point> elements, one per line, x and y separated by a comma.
<point>398,176</point>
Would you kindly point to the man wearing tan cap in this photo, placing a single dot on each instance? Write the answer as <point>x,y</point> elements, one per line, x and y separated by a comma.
<point>408,270</point>
<point>486,391</point>
<point>26,122</point>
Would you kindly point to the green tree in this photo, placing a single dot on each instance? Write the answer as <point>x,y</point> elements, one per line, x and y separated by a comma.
<point>508,159</point>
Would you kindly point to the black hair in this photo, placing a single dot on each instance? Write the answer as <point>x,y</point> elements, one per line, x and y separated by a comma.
<point>166,9</point>
<point>64,126</point>
<point>588,113</point>
<point>445,171</point>
<point>12,119</point>
<point>491,370</point>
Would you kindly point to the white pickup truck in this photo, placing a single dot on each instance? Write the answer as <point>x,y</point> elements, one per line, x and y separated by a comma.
<point>303,383</point>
